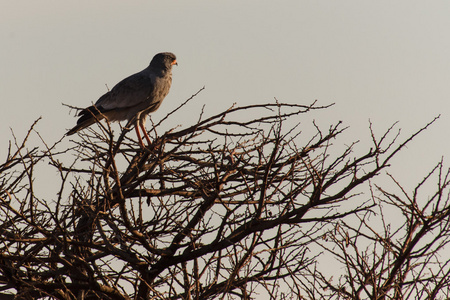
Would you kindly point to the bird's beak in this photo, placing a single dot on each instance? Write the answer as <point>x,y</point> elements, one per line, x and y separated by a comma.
<point>174,63</point>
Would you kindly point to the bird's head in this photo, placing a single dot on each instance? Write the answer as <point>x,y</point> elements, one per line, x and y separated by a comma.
<point>164,60</point>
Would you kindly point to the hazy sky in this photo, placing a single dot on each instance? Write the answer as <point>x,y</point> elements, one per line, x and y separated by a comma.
<point>385,61</point>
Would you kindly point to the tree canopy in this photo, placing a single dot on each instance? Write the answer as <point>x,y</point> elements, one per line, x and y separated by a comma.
<point>242,204</point>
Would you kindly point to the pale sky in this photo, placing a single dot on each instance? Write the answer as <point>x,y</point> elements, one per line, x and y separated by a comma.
<point>385,61</point>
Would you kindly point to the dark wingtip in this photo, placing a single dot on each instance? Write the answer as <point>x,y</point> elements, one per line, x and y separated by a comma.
<point>71,131</point>
<point>89,113</point>
<point>87,117</point>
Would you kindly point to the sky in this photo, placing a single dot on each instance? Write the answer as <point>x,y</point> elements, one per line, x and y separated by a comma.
<point>383,61</point>
<point>378,61</point>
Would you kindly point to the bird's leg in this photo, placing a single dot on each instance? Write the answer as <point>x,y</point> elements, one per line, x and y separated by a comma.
<point>139,136</point>
<point>145,133</point>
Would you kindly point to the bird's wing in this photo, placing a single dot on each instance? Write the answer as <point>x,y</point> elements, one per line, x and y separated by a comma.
<point>129,92</point>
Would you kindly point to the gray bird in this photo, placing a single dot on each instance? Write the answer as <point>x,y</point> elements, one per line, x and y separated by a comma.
<point>133,98</point>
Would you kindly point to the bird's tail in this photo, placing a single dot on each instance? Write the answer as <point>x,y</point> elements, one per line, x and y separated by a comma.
<point>88,117</point>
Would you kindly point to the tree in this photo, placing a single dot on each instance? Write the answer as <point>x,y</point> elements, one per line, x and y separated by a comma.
<point>238,205</point>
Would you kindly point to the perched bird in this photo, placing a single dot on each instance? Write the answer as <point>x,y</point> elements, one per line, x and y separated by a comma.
<point>133,98</point>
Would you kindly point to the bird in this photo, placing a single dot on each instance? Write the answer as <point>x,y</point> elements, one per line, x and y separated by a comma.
<point>133,98</point>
